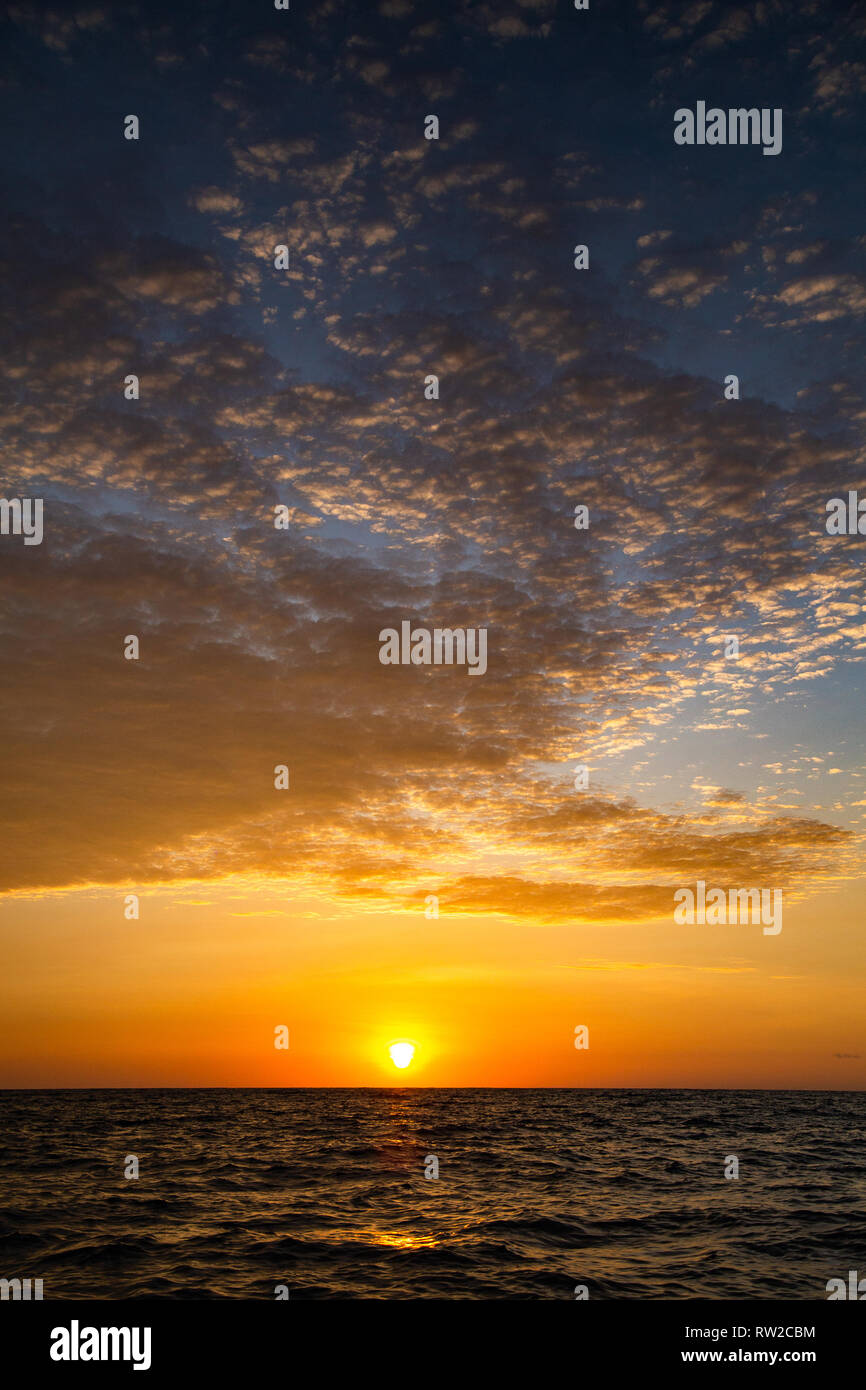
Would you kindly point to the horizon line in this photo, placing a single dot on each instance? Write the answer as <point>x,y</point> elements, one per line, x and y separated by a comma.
<point>730,1090</point>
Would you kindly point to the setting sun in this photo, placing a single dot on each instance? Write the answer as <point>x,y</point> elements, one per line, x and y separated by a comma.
<point>401,1053</point>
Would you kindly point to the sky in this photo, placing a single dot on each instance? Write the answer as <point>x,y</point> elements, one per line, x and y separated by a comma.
<point>417,790</point>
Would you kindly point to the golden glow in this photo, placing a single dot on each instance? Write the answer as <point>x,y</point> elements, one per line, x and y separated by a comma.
<point>401,1053</point>
<point>399,1241</point>
<point>221,964</point>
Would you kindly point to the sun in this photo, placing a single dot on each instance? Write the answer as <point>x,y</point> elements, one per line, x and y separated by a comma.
<point>401,1053</point>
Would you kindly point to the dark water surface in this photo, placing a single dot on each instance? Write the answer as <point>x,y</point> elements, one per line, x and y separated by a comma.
<point>539,1190</point>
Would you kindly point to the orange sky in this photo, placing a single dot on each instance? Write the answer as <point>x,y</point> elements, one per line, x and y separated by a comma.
<point>255,463</point>
<point>191,993</point>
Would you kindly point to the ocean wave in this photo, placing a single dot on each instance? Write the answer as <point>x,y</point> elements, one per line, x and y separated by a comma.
<point>538,1191</point>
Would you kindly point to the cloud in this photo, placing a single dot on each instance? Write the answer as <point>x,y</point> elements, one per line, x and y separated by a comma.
<point>177,276</point>
<point>306,389</point>
<point>216,200</point>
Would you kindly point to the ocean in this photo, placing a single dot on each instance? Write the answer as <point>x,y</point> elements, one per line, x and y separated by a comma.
<point>324,1193</point>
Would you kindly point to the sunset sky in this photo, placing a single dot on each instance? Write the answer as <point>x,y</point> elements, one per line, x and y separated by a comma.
<point>260,647</point>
